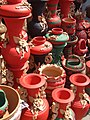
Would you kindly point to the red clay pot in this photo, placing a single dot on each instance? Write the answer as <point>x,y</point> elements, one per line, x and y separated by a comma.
<point>62,97</point>
<point>69,25</point>
<point>80,48</point>
<point>80,81</point>
<point>33,82</point>
<point>65,11</point>
<point>53,19</point>
<point>55,77</point>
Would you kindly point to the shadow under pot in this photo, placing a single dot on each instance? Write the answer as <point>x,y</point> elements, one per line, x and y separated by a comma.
<point>40,53</point>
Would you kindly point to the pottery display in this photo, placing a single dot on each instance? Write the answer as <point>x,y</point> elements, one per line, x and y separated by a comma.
<point>81,102</point>
<point>61,106</point>
<point>14,107</point>
<point>35,85</point>
<point>59,39</point>
<point>55,77</point>
<point>40,50</point>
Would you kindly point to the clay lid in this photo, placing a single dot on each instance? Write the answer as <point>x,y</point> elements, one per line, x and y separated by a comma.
<point>40,46</point>
<point>57,36</point>
<point>15,10</point>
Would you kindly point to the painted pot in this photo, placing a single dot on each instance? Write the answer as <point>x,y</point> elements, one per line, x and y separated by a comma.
<point>81,102</point>
<point>39,107</point>
<point>53,19</point>
<point>68,50</point>
<point>73,64</point>
<point>80,48</point>
<point>55,77</point>
<point>65,11</point>
<point>14,109</point>
<point>59,39</point>
<point>40,52</point>
<point>69,25</point>
<point>62,98</point>
<point>15,43</point>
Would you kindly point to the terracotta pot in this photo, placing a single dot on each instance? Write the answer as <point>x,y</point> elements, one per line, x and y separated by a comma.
<point>73,64</point>
<point>34,83</point>
<point>80,104</point>
<point>40,52</point>
<point>13,60</point>
<point>68,50</point>
<point>62,97</point>
<point>80,48</point>
<point>69,25</point>
<point>65,11</point>
<point>55,77</point>
<point>53,19</point>
<point>14,109</point>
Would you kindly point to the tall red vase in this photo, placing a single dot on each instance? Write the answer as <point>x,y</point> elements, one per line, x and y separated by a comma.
<point>81,102</point>
<point>53,19</point>
<point>39,107</point>
<point>62,98</point>
<point>65,7</point>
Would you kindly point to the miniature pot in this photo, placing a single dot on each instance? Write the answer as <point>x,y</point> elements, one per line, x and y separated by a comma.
<point>81,102</point>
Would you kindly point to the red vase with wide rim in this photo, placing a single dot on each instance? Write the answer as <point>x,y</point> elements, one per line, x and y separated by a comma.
<point>35,86</point>
<point>62,98</point>
<point>81,102</point>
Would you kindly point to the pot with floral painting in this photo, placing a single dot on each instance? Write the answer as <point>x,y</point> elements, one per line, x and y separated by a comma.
<point>55,77</point>
<point>35,85</point>
<point>40,53</point>
<point>59,39</point>
<point>61,105</point>
<point>81,102</point>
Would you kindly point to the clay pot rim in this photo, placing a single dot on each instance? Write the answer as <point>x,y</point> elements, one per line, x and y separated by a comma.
<point>68,100</point>
<point>34,86</point>
<point>38,40</point>
<point>65,20</point>
<point>17,104</point>
<point>57,31</point>
<point>72,79</point>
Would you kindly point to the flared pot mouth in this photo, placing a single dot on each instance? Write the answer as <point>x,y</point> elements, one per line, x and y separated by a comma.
<point>79,79</point>
<point>68,20</point>
<point>32,81</point>
<point>62,95</point>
